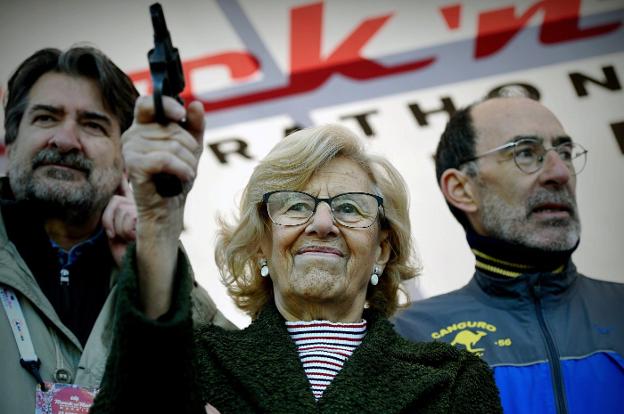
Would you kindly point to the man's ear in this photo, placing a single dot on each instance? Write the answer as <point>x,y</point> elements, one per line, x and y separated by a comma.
<point>458,189</point>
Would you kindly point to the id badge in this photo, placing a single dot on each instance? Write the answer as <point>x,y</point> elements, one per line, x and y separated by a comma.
<point>64,399</point>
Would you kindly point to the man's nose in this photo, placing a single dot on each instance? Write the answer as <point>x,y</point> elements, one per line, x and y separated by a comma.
<point>322,222</point>
<point>66,137</point>
<point>555,170</point>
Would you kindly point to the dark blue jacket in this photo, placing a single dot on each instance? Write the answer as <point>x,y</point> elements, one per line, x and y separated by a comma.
<point>555,341</point>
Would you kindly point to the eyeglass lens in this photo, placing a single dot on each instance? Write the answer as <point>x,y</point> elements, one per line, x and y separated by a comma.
<point>529,155</point>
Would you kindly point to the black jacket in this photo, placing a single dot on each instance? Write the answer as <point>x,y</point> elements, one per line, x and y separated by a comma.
<point>156,368</point>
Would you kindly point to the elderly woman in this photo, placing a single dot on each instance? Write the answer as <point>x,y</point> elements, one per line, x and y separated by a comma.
<point>316,258</point>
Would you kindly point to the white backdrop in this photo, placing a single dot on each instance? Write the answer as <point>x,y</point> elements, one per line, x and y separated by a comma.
<point>264,66</point>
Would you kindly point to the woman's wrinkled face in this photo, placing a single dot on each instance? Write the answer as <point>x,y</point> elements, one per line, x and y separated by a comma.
<point>321,269</point>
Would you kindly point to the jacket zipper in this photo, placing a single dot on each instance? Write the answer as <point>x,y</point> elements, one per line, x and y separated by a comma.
<point>553,354</point>
<point>65,295</point>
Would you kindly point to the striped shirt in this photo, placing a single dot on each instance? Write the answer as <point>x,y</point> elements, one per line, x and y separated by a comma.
<point>324,347</point>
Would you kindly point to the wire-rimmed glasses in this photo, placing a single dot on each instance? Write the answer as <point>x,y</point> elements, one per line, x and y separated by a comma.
<point>529,154</point>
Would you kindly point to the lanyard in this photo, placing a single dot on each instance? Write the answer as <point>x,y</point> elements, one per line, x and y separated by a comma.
<point>28,359</point>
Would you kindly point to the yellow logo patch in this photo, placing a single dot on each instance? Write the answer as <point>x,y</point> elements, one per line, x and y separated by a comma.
<point>467,334</point>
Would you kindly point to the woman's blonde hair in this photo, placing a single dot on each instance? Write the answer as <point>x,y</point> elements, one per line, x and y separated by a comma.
<point>289,166</point>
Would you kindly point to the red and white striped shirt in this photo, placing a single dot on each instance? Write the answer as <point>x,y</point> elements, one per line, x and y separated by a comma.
<point>324,347</point>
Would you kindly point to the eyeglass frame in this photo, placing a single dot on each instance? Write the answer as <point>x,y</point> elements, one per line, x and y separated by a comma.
<point>327,200</point>
<point>513,144</point>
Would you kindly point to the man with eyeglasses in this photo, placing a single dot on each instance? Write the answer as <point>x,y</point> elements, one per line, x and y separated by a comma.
<point>554,337</point>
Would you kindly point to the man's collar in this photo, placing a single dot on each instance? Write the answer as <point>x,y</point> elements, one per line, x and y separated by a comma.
<point>501,258</point>
<point>68,257</point>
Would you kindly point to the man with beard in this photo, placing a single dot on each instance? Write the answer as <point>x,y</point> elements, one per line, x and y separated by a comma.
<point>554,337</point>
<point>66,218</point>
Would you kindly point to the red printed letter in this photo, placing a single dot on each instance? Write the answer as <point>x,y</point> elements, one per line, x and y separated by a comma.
<point>561,23</point>
<point>305,49</point>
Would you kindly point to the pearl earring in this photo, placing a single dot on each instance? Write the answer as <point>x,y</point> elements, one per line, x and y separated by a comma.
<point>375,276</point>
<point>264,268</point>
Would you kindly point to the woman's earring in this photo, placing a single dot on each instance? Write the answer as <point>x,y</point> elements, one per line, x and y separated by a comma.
<point>264,268</point>
<point>375,276</point>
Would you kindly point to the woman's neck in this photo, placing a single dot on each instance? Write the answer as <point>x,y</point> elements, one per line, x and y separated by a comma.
<point>297,310</point>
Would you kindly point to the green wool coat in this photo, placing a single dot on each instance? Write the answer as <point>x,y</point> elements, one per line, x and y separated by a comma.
<point>164,366</point>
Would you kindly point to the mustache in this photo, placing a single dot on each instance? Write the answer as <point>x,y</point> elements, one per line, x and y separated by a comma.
<point>74,160</point>
<point>562,197</point>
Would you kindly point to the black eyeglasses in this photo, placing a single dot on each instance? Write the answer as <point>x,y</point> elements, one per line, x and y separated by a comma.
<point>529,155</point>
<point>293,208</point>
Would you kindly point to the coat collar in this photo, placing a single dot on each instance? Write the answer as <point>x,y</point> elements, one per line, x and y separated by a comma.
<point>500,258</point>
<point>385,372</point>
<point>19,276</point>
<point>530,285</point>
